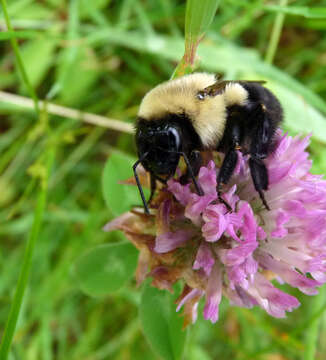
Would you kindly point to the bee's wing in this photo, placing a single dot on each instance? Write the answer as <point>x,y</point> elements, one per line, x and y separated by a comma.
<point>219,86</point>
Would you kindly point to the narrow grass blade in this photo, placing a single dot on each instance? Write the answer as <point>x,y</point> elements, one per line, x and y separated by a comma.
<point>19,59</point>
<point>27,261</point>
<point>276,33</point>
<point>305,11</point>
<point>312,331</point>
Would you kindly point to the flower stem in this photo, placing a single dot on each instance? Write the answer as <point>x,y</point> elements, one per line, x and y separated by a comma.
<point>19,60</point>
<point>312,331</point>
<point>275,36</point>
<point>27,261</point>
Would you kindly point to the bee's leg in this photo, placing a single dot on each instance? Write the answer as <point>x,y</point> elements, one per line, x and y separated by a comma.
<point>229,145</point>
<point>225,173</point>
<point>195,160</point>
<point>134,167</point>
<point>153,188</point>
<point>259,150</point>
<point>153,179</point>
<point>190,170</point>
<point>259,176</point>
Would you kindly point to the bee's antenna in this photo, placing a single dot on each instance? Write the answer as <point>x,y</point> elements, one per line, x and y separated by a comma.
<point>138,182</point>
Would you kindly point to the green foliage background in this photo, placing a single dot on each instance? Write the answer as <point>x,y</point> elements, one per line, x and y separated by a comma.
<point>101,57</point>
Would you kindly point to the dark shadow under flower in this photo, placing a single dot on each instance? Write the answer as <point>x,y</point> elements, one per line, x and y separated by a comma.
<point>194,239</point>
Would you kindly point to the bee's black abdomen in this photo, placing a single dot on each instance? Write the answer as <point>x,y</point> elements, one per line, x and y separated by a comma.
<point>258,95</point>
<point>251,127</point>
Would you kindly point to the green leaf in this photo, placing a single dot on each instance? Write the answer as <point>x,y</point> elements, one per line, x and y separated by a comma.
<point>73,86</point>
<point>161,324</point>
<point>299,117</point>
<point>106,268</point>
<point>199,15</point>
<point>75,60</point>
<point>38,66</point>
<point>198,352</point>
<point>119,197</point>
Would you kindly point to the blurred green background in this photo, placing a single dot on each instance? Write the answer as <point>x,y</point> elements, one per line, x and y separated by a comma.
<point>102,56</point>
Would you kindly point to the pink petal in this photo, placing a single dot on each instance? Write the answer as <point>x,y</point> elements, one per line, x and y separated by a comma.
<point>181,192</point>
<point>271,299</point>
<point>192,294</point>
<point>171,240</point>
<point>118,222</point>
<point>207,178</point>
<point>216,223</point>
<point>288,274</point>
<point>280,231</point>
<point>213,294</point>
<point>204,258</point>
<point>196,206</point>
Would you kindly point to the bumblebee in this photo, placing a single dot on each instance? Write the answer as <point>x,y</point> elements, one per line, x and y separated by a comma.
<point>181,117</point>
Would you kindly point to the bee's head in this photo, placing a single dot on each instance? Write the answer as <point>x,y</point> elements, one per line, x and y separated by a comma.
<point>159,145</point>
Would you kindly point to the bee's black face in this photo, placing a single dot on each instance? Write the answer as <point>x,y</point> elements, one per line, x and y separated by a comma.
<point>159,147</point>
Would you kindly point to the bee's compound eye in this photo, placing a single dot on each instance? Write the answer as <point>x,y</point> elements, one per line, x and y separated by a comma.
<point>174,139</point>
<point>201,95</point>
<point>172,133</point>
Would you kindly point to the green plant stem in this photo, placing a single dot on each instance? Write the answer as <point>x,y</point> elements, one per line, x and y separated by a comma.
<point>312,331</point>
<point>19,60</point>
<point>27,261</point>
<point>199,16</point>
<point>275,36</point>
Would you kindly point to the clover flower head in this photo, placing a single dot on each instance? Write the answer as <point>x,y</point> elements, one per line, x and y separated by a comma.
<point>242,253</point>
